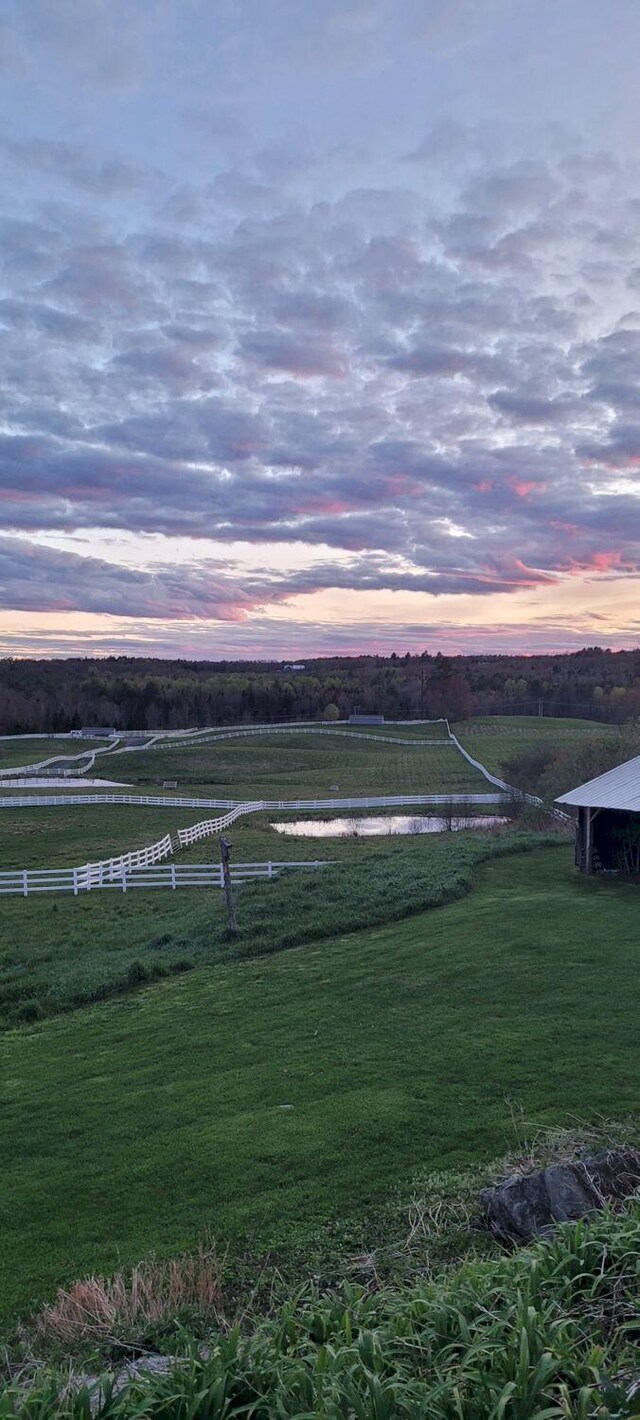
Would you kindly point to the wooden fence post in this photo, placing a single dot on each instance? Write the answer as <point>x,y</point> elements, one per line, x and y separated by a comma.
<point>225,854</point>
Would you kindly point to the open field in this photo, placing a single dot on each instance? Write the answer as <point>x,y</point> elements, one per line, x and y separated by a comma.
<point>17,752</point>
<point>59,951</point>
<point>290,766</point>
<point>432,730</point>
<point>496,739</point>
<point>134,1124</point>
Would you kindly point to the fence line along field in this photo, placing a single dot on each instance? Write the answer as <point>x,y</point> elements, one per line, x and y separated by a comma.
<point>15,752</point>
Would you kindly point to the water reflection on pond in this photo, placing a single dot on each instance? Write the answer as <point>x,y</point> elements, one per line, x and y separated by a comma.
<point>385,824</point>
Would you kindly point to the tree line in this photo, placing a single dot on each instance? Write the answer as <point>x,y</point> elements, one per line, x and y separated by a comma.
<point>141,693</point>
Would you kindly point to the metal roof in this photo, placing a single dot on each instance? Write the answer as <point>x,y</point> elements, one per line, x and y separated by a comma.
<point>618,789</point>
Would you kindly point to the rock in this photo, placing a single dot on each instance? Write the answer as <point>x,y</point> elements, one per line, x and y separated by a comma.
<point>529,1205</point>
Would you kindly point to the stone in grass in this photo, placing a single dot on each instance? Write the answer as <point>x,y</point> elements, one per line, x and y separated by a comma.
<point>529,1206</point>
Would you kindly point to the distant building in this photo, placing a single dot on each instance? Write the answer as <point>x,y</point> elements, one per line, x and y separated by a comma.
<point>608,828</point>
<point>359,719</point>
<point>97,732</point>
<point>294,666</point>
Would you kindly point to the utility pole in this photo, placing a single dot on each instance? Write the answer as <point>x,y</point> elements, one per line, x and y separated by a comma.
<point>225,855</point>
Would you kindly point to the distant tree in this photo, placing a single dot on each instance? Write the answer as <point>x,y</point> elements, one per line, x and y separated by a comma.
<point>331,712</point>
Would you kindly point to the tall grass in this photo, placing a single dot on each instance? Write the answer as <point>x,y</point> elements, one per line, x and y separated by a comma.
<point>129,1305</point>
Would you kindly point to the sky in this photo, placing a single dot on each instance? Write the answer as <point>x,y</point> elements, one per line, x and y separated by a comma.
<point>319,326</point>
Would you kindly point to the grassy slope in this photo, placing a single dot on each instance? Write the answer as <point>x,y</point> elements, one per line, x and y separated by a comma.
<point>59,952</point>
<point>131,1126</point>
<point>495,739</point>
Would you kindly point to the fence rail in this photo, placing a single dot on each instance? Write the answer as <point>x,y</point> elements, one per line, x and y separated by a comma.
<point>213,736</point>
<point>26,882</point>
<point>26,801</point>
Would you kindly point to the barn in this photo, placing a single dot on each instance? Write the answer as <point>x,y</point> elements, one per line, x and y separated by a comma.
<point>608,829</point>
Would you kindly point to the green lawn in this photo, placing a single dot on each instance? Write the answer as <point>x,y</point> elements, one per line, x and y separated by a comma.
<point>496,739</point>
<point>132,1125</point>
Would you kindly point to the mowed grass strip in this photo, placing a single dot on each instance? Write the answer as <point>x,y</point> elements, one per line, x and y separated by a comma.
<point>260,1096</point>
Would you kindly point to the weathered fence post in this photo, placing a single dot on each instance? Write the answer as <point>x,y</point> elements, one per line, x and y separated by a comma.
<point>225,854</point>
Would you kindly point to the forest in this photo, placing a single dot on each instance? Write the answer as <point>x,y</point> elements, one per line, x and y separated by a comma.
<point>135,693</point>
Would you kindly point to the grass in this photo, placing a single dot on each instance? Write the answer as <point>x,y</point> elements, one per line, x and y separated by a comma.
<point>60,952</point>
<point>64,837</point>
<point>496,739</point>
<point>290,766</point>
<point>16,752</point>
<point>549,1332</point>
<point>267,1096</point>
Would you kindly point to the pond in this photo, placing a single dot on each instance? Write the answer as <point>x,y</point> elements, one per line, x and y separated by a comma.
<point>385,825</point>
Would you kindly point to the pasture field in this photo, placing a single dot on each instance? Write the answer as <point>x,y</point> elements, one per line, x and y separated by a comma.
<point>292,766</point>
<point>16,752</point>
<point>496,739</point>
<point>267,1098</point>
<point>63,837</point>
<point>433,730</point>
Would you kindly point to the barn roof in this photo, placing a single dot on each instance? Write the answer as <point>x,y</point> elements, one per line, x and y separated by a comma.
<point>618,789</point>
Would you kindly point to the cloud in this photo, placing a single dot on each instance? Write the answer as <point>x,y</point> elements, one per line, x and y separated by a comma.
<point>526,408</point>
<point>36,578</point>
<point>361,372</point>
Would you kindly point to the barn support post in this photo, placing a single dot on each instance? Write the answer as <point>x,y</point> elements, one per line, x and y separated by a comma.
<point>588,842</point>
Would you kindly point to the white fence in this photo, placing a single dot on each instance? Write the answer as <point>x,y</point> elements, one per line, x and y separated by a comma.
<point>492,778</point>
<point>120,871</point>
<point>215,735</point>
<point>69,762</point>
<point>25,882</point>
<point>65,759</point>
<point>27,801</point>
